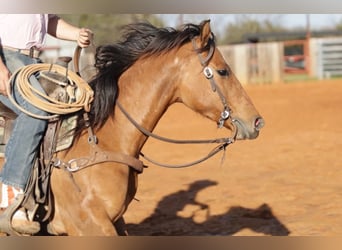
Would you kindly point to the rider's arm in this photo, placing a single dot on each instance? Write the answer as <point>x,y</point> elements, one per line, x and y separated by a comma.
<point>63,30</point>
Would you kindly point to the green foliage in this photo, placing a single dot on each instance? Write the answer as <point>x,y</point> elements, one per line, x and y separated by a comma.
<point>339,26</point>
<point>248,24</point>
<point>106,27</point>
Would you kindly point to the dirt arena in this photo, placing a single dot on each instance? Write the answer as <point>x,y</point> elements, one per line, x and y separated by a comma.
<point>286,182</point>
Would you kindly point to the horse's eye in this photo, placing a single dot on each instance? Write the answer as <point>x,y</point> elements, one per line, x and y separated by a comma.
<point>223,72</point>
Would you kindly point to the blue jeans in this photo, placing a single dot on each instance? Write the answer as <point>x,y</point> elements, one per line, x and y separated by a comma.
<point>28,132</point>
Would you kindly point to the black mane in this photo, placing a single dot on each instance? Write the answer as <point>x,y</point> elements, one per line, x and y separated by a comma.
<point>138,40</point>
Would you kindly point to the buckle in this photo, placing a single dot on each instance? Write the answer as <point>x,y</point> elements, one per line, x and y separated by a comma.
<point>34,53</point>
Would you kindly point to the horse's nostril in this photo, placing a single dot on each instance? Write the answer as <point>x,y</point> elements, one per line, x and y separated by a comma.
<point>259,123</point>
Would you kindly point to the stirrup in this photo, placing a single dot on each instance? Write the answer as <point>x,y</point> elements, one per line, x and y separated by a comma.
<point>7,216</point>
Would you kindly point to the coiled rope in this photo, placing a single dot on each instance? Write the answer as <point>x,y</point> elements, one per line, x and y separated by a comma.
<point>84,97</point>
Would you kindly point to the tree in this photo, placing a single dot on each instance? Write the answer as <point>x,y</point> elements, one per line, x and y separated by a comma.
<point>107,26</point>
<point>338,25</point>
<point>248,24</point>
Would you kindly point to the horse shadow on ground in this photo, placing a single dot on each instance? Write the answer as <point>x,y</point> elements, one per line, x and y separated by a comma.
<point>166,221</point>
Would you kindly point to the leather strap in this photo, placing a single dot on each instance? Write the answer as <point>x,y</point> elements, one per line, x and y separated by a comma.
<point>99,156</point>
<point>76,59</point>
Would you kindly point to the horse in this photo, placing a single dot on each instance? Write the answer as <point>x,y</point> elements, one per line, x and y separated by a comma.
<point>139,77</point>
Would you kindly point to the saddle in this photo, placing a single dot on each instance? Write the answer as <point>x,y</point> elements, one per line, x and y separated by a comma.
<point>37,197</point>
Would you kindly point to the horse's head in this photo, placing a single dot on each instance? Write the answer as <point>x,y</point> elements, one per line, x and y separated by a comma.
<point>211,88</point>
<point>174,66</point>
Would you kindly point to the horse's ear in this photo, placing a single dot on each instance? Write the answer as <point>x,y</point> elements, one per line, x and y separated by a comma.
<point>205,33</point>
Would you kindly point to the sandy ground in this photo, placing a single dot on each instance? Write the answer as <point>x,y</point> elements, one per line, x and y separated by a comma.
<point>286,182</point>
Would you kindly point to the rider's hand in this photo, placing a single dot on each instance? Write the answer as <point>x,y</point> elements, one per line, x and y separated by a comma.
<point>85,37</point>
<point>5,75</point>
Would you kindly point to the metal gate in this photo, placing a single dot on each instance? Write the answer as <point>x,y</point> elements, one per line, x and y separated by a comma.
<point>329,58</point>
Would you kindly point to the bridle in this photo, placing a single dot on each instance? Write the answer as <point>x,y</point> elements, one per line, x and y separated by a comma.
<point>225,115</point>
<point>208,72</point>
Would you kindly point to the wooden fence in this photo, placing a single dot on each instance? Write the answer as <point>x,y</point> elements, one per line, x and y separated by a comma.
<point>267,62</point>
<point>255,63</point>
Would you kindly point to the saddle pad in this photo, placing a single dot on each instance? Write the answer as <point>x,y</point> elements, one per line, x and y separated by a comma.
<point>65,137</point>
<point>64,140</point>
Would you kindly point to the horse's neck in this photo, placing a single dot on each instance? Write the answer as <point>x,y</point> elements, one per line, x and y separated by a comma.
<point>145,99</point>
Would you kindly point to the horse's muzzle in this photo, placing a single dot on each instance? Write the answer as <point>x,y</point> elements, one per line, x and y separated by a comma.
<point>248,130</point>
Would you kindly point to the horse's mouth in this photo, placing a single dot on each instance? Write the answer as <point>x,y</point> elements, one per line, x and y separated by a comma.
<point>248,131</point>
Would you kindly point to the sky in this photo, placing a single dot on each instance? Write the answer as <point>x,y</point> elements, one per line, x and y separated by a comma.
<point>219,21</point>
